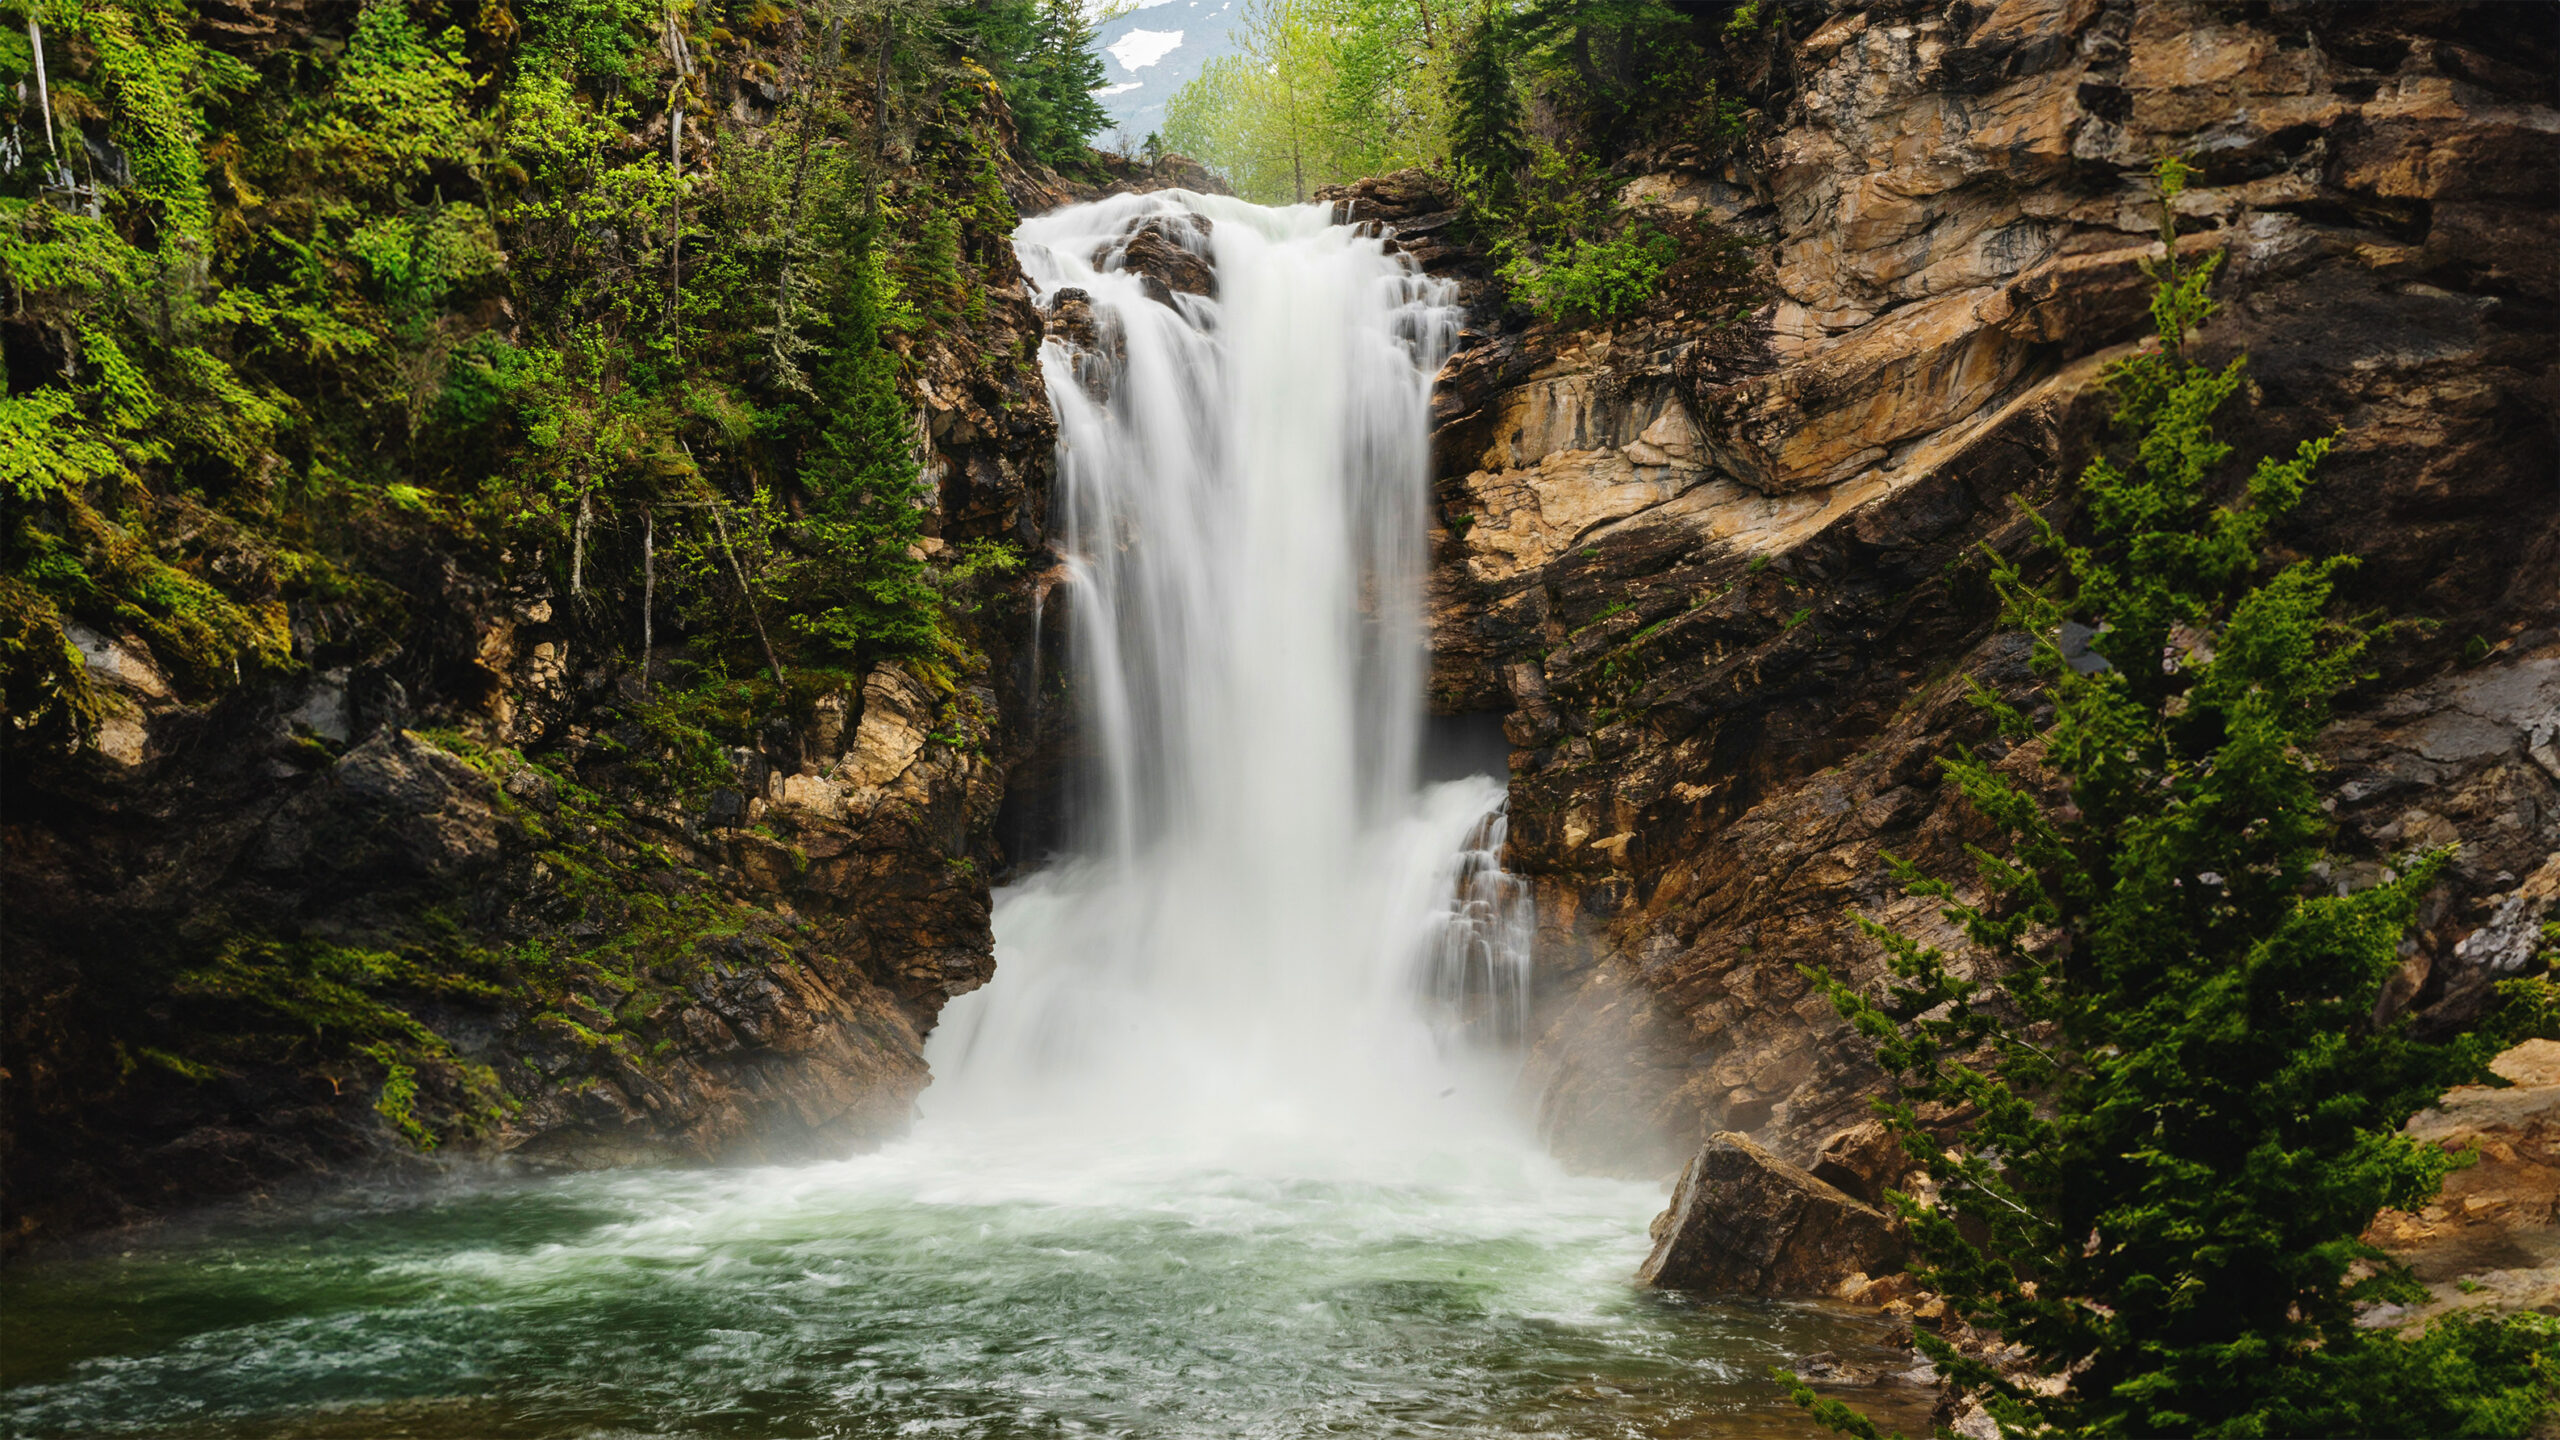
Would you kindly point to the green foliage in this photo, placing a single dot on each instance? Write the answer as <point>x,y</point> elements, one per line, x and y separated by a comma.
<point>1320,92</point>
<point>351,998</point>
<point>426,293</point>
<point>860,587</point>
<point>2182,1111</point>
<point>1595,280</point>
<point>592,38</point>
<point>1566,251</point>
<point>1487,138</point>
<point>1326,91</point>
<point>1612,48</point>
<point>1044,53</point>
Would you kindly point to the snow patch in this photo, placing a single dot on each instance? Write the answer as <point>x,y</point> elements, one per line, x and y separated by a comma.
<point>1141,48</point>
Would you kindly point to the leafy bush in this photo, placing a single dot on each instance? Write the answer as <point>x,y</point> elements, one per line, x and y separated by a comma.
<point>1595,279</point>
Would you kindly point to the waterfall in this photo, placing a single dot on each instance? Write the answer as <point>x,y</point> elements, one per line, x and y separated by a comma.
<point>1226,1148</point>
<point>1264,912</point>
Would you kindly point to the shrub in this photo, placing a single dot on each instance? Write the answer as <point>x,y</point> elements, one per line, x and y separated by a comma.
<point>2183,1113</point>
<point>1595,279</point>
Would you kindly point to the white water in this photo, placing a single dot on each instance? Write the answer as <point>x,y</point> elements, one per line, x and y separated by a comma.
<point>1227,1148</point>
<point>1265,943</point>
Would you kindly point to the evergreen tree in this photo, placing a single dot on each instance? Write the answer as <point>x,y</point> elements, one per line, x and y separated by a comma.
<point>1072,72</point>
<point>1613,50</point>
<point>1043,52</point>
<point>1485,131</point>
<point>2185,1113</point>
<point>860,589</point>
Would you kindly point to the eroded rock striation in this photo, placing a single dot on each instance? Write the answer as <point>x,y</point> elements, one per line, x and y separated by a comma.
<point>1722,577</point>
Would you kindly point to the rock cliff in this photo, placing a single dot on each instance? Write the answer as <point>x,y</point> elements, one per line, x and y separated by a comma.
<point>446,875</point>
<point>1720,569</point>
<point>460,886</point>
<point>745,979</point>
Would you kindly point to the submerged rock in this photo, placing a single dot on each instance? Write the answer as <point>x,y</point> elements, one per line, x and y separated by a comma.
<point>1744,1222</point>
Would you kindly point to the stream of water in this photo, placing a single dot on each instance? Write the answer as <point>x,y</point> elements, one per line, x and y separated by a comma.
<point>1230,1146</point>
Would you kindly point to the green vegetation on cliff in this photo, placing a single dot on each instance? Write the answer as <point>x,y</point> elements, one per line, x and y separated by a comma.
<point>498,278</point>
<point>341,339</point>
<point>1327,91</point>
<point>2178,1107</point>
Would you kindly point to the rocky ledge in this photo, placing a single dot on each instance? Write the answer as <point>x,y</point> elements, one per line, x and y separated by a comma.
<point>1722,577</point>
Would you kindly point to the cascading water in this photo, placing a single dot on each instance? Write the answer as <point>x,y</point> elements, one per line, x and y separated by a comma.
<point>1224,1149</point>
<point>1260,880</point>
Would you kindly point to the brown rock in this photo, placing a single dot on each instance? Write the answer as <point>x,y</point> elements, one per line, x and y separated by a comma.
<point>1744,1222</point>
<point>1722,580</point>
<point>2488,1239</point>
<point>1879,1292</point>
<point>1863,1161</point>
<point>1170,254</point>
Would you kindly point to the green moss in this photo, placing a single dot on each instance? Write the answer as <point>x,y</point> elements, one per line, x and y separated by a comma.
<point>347,999</point>
<point>428,295</point>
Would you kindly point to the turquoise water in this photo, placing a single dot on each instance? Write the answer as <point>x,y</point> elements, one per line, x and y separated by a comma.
<point>963,1286</point>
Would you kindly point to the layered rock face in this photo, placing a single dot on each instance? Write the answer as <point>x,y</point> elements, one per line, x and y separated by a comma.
<point>1722,576</point>
<point>2490,1232</point>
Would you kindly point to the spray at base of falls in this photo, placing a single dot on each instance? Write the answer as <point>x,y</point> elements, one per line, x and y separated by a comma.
<point>1225,1149</point>
<point>1267,923</point>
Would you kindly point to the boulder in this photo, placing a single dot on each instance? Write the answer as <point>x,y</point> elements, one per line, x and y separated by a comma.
<point>1744,1222</point>
<point>1169,253</point>
<point>1864,1161</point>
<point>1093,338</point>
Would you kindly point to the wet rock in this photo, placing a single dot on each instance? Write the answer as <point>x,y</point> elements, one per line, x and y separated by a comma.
<point>393,806</point>
<point>1402,197</point>
<point>1744,1222</point>
<point>1096,348</point>
<point>1414,211</point>
<point>1170,253</point>
<point>1038,188</point>
<point>1070,319</point>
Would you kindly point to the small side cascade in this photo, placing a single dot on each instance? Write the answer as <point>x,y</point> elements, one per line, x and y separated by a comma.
<point>1475,966</point>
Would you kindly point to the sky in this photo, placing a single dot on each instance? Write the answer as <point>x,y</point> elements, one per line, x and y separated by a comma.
<point>1152,51</point>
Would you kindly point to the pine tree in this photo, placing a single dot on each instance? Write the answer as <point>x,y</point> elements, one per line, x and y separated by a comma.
<point>1043,52</point>
<point>860,591</point>
<point>1073,71</point>
<point>1486,134</point>
<point>2185,1112</point>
